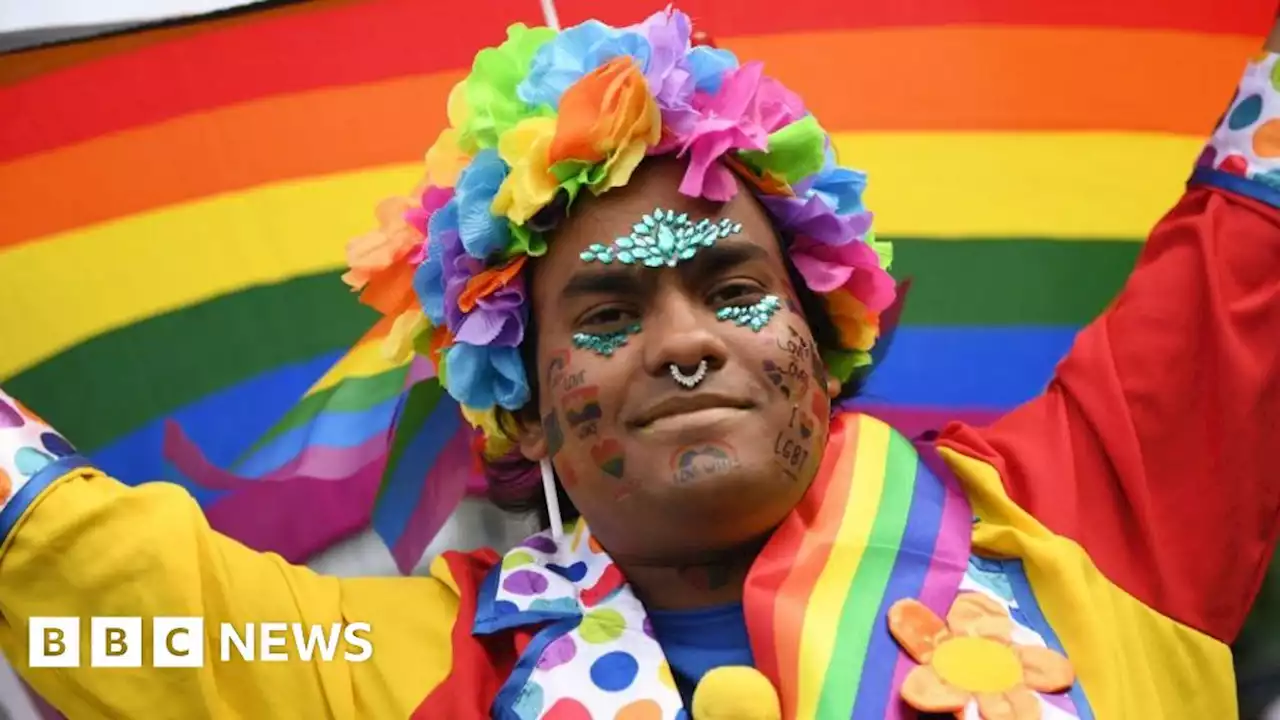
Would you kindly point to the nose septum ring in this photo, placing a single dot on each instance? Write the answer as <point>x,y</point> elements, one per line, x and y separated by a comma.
<point>689,382</point>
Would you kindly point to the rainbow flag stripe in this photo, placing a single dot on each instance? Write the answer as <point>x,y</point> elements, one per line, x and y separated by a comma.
<point>883,521</point>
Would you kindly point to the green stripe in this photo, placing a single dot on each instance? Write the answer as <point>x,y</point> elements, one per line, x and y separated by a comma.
<point>116,382</point>
<point>350,395</point>
<point>419,405</point>
<point>861,609</point>
<point>1010,282</point>
<point>150,369</point>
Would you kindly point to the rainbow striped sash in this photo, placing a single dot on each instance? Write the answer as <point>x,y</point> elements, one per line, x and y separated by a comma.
<point>882,521</point>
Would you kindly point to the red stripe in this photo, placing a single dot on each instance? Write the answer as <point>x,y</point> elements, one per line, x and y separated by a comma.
<point>292,53</point>
<point>339,46</point>
<point>764,17</point>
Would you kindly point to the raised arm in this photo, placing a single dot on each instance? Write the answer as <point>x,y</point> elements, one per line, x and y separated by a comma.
<point>79,544</point>
<point>1155,444</point>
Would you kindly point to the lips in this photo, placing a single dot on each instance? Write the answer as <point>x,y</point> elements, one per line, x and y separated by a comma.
<point>684,404</point>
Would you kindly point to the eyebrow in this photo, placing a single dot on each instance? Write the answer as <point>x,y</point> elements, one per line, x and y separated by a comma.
<point>724,256</point>
<point>602,280</point>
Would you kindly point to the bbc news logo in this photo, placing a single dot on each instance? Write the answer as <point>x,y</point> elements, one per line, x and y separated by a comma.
<point>178,642</point>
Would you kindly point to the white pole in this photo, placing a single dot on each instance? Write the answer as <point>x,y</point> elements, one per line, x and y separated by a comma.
<point>549,14</point>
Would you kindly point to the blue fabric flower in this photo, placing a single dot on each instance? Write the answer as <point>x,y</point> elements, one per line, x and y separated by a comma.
<point>483,233</point>
<point>574,53</point>
<point>428,280</point>
<point>839,188</point>
<point>708,66</point>
<point>484,376</point>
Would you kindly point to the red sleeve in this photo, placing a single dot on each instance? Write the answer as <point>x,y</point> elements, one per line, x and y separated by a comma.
<point>1155,445</point>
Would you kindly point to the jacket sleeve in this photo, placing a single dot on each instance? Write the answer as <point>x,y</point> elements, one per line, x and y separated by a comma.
<point>1155,444</point>
<point>78,544</point>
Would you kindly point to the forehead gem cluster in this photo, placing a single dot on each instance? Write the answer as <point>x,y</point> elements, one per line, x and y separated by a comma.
<point>662,238</point>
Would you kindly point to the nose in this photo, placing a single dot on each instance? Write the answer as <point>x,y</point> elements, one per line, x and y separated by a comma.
<point>682,331</point>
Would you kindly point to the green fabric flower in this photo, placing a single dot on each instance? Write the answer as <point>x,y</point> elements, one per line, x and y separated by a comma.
<point>490,90</point>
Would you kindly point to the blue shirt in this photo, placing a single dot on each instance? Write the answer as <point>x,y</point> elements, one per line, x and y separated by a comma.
<point>696,641</point>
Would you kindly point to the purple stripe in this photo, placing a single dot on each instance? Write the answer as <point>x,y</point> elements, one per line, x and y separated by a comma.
<point>950,558</point>
<point>443,489</point>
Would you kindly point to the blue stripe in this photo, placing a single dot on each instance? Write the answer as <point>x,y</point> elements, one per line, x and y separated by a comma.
<point>328,429</point>
<point>997,368</point>
<point>223,425</point>
<point>1036,620</point>
<point>405,483</point>
<point>1234,183</point>
<point>36,484</point>
<point>907,581</point>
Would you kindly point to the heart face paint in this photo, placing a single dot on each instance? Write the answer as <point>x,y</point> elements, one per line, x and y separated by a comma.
<point>698,462</point>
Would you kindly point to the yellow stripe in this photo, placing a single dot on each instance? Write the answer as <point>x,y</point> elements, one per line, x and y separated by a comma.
<point>817,639</point>
<point>363,360</point>
<point>1130,660</point>
<point>1067,185</point>
<point>74,285</point>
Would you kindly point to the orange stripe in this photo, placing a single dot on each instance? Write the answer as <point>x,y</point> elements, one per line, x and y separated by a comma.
<point>19,66</point>
<point>811,558</point>
<point>967,78</point>
<point>241,146</point>
<point>993,78</point>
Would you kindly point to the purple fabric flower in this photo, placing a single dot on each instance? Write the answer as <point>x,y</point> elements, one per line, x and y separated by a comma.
<point>497,320</point>
<point>812,218</point>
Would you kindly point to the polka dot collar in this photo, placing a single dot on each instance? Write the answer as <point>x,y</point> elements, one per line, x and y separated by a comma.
<point>595,655</point>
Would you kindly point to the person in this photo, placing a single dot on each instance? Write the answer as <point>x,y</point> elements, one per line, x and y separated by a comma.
<point>641,273</point>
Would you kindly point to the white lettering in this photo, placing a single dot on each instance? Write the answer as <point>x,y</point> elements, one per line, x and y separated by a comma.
<point>272,635</point>
<point>229,636</point>
<point>315,636</point>
<point>351,635</point>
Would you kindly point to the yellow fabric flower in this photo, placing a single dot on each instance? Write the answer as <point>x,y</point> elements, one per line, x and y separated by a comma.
<point>530,185</point>
<point>448,156</point>
<point>496,443</point>
<point>857,327</point>
<point>398,346</point>
<point>610,115</point>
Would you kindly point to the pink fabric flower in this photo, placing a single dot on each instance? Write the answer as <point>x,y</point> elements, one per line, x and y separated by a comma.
<point>740,116</point>
<point>433,198</point>
<point>853,266</point>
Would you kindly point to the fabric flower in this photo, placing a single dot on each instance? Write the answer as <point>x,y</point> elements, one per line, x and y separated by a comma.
<point>428,281</point>
<point>840,188</point>
<point>608,116</point>
<point>853,265</point>
<point>812,217</point>
<point>530,184</point>
<point>572,54</point>
<point>492,105</point>
<point>482,377</point>
<point>856,327</point>
<point>496,319</point>
<point>972,656</point>
<point>379,260</point>
<point>740,116</point>
<point>666,69</point>
<point>708,67</point>
<point>482,232</point>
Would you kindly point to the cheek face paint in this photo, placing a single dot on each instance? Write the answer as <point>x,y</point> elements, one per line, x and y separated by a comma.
<point>582,411</point>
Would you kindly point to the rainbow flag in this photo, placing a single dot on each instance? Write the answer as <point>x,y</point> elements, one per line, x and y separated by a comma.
<point>177,200</point>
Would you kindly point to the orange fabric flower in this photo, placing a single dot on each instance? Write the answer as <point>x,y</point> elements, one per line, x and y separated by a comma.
<point>856,326</point>
<point>377,260</point>
<point>488,282</point>
<point>608,115</point>
<point>972,656</point>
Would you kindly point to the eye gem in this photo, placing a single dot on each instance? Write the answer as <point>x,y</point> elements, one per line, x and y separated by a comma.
<point>662,238</point>
<point>754,316</point>
<point>605,343</point>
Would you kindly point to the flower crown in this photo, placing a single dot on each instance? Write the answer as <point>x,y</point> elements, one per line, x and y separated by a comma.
<point>547,114</point>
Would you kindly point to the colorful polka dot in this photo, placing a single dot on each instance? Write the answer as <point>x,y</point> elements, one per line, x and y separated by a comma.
<point>615,671</point>
<point>560,651</point>
<point>1246,113</point>
<point>648,628</point>
<point>9,416</point>
<point>594,546</point>
<point>524,583</point>
<point>528,704</point>
<point>505,607</point>
<point>1275,76</point>
<point>601,626</point>
<point>516,559</point>
<point>568,709</point>
<point>6,486</point>
<point>560,605</point>
<point>30,461</point>
<point>541,543</point>
<point>572,573</point>
<point>1270,178</point>
<point>1266,139</point>
<point>641,710</point>
<point>665,676</point>
<point>56,444</point>
<point>1234,164</point>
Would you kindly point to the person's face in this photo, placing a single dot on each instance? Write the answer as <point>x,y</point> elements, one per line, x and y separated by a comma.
<point>658,469</point>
